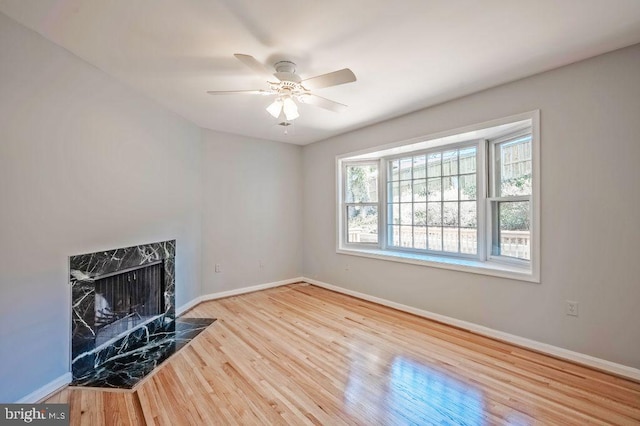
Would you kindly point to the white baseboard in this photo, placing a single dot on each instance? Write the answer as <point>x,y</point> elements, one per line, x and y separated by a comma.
<point>577,357</point>
<point>190,304</point>
<point>40,393</point>
<point>235,292</point>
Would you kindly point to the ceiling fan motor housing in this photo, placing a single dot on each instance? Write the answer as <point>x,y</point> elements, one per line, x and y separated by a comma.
<point>285,66</point>
<point>286,72</point>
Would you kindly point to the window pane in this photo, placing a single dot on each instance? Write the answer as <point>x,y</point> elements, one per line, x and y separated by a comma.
<point>405,168</point>
<point>434,165</point>
<point>450,188</point>
<point>420,190</point>
<point>513,167</point>
<point>512,230</point>
<point>450,214</point>
<point>469,240</point>
<point>419,167</point>
<point>450,239</point>
<point>405,191</point>
<point>394,214</point>
<point>420,237</point>
<point>362,224</point>
<point>468,214</point>
<point>435,238</point>
<point>468,187</point>
<point>406,236</point>
<point>468,160</point>
<point>362,184</point>
<point>450,163</point>
<point>406,214</point>
<point>435,191</point>
<point>434,214</point>
<point>420,214</point>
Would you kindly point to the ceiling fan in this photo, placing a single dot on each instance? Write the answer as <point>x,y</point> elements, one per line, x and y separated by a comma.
<point>288,87</point>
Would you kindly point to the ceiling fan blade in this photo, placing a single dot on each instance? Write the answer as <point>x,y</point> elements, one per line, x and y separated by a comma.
<point>256,66</point>
<point>321,102</point>
<point>330,79</point>
<point>239,92</point>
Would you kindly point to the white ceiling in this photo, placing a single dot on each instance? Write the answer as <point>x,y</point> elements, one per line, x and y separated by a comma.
<point>407,55</point>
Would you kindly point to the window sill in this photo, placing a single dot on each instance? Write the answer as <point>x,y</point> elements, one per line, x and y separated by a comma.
<point>465,265</point>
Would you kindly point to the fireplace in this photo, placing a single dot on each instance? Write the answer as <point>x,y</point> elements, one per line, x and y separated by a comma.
<point>119,297</point>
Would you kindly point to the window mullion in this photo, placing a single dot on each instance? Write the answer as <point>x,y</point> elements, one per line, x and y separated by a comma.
<point>383,178</point>
<point>459,201</point>
<point>482,184</point>
<point>413,207</point>
<point>441,203</point>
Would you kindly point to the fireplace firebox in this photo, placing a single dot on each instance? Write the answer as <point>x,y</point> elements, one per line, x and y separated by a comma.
<point>125,299</point>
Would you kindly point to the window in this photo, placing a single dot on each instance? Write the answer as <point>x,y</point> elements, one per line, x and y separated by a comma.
<point>510,197</point>
<point>361,203</point>
<point>432,202</point>
<point>465,200</point>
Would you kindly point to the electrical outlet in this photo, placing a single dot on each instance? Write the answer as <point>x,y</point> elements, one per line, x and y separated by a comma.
<point>261,264</point>
<point>572,308</point>
<point>218,268</point>
<point>346,267</point>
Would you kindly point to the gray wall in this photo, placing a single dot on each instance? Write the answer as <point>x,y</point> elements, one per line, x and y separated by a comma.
<point>590,201</point>
<point>251,211</point>
<point>85,165</point>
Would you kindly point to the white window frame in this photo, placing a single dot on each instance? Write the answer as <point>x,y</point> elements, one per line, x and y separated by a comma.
<point>479,144</point>
<point>345,204</point>
<point>484,262</point>
<point>492,200</point>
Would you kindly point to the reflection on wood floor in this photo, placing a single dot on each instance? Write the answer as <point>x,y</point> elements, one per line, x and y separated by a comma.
<point>300,354</point>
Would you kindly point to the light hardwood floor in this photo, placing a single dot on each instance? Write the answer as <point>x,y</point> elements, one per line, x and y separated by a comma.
<point>300,354</point>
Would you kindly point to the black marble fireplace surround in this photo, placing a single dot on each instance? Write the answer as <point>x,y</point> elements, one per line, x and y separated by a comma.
<point>109,296</point>
<point>123,314</point>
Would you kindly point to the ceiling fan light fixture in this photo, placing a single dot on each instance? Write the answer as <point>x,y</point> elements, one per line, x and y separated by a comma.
<point>290,109</point>
<point>275,108</point>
